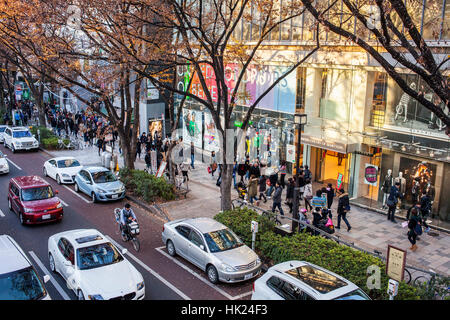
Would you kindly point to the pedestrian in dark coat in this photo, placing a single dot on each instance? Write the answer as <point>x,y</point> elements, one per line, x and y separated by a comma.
<point>330,195</point>
<point>262,187</point>
<point>343,205</point>
<point>138,149</point>
<point>425,207</point>
<point>241,170</point>
<point>273,178</point>
<point>412,223</point>
<point>277,198</point>
<point>290,193</point>
<point>392,200</point>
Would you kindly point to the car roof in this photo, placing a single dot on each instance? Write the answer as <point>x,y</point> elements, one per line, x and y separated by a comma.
<point>62,158</point>
<point>11,255</point>
<point>73,235</point>
<point>19,128</point>
<point>284,267</point>
<point>204,224</point>
<point>95,169</point>
<point>30,181</point>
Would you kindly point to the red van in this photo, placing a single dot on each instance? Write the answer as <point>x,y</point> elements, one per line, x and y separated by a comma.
<point>34,200</point>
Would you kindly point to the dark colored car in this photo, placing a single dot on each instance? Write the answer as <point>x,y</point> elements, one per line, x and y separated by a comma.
<point>33,200</point>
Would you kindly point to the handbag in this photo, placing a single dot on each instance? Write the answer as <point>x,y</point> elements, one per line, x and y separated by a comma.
<point>390,203</point>
<point>418,229</point>
<point>209,169</point>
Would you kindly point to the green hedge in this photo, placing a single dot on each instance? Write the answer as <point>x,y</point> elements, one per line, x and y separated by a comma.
<point>43,131</point>
<point>345,261</point>
<point>146,186</point>
<point>49,140</point>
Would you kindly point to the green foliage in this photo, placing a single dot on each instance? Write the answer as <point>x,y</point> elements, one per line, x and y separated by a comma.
<point>2,113</point>
<point>43,131</point>
<point>435,288</point>
<point>350,263</point>
<point>146,186</point>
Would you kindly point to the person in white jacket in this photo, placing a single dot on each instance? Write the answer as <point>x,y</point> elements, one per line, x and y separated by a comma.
<point>308,194</point>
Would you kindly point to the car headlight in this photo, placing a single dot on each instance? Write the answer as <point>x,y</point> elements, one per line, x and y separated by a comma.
<point>65,175</point>
<point>27,210</point>
<point>95,297</point>
<point>35,142</point>
<point>1,166</point>
<point>140,285</point>
<point>59,205</point>
<point>18,144</point>
<point>227,268</point>
<point>258,261</point>
<point>100,190</point>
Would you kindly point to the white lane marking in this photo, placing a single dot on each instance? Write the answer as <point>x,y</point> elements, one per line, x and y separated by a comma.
<point>52,279</point>
<point>15,165</point>
<point>64,204</point>
<point>78,195</point>
<point>1,213</point>
<point>195,274</point>
<point>154,273</point>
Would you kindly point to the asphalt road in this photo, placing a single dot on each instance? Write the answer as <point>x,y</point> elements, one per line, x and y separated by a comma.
<point>166,278</point>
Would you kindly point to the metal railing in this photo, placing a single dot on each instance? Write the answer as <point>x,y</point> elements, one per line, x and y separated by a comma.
<point>413,275</point>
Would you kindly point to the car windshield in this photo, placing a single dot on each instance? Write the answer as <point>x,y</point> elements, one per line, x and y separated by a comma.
<point>317,279</point>
<point>97,256</point>
<point>222,240</point>
<point>2,129</point>
<point>22,284</point>
<point>21,134</point>
<point>39,193</point>
<point>103,177</point>
<point>357,294</point>
<point>68,163</point>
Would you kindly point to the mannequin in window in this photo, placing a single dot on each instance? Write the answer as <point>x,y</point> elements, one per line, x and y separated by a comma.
<point>402,188</point>
<point>403,104</point>
<point>431,193</point>
<point>386,186</point>
<point>415,190</point>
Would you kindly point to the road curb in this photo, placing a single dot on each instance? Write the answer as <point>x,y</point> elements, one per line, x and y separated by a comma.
<point>152,208</point>
<point>396,216</point>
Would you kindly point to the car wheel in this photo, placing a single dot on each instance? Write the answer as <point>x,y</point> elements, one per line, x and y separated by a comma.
<point>52,263</point>
<point>212,274</point>
<point>171,248</point>
<point>45,172</point>
<point>94,197</point>
<point>13,149</point>
<point>21,218</point>
<point>77,189</point>
<point>80,295</point>
<point>58,179</point>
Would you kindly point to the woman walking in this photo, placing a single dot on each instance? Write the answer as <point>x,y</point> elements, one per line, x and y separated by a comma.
<point>213,163</point>
<point>308,194</point>
<point>343,208</point>
<point>253,189</point>
<point>262,187</point>
<point>282,170</point>
<point>330,195</point>
<point>290,193</point>
<point>412,224</point>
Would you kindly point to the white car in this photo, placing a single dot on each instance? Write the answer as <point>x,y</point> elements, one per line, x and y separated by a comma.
<point>16,268</point>
<point>4,166</point>
<point>62,169</point>
<point>2,130</point>
<point>300,280</point>
<point>93,267</point>
<point>20,138</point>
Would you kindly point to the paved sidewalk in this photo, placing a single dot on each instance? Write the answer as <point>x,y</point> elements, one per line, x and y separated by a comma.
<point>370,230</point>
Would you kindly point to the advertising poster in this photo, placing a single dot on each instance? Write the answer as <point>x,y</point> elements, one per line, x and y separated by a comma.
<point>192,127</point>
<point>155,126</point>
<point>371,174</point>
<point>290,153</point>
<point>211,137</point>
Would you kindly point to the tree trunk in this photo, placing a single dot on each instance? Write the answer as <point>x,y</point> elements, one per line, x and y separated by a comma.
<point>225,187</point>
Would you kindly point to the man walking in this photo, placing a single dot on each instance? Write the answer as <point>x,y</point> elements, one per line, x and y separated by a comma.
<point>277,198</point>
<point>392,200</point>
<point>343,208</point>
<point>192,154</point>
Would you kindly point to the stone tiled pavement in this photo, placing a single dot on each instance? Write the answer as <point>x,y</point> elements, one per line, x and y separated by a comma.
<point>370,230</point>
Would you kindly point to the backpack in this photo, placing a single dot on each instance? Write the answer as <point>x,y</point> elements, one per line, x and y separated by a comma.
<point>418,229</point>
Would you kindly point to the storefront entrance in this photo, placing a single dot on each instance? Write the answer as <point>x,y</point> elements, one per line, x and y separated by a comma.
<point>327,166</point>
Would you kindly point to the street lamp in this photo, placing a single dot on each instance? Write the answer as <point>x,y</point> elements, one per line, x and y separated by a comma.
<point>300,119</point>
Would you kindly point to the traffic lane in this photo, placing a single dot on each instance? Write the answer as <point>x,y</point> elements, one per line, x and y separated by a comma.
<point>101,215</point>
<point>35,238</point>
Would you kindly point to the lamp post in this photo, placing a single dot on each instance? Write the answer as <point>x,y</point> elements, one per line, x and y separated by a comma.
<point>299,121</point>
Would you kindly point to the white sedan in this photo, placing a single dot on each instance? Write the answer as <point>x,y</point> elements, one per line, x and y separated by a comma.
<point>62,169</point>
<point>93,267</point>
<point>4,166</point>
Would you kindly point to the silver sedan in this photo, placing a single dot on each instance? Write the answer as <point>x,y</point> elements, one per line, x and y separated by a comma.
<point>212,247</point>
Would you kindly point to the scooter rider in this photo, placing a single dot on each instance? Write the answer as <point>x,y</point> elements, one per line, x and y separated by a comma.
<point>126,217</point>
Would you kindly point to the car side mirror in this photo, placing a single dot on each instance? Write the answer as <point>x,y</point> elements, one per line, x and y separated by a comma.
<point>67,263</point>
<point>124,251</point>
<point>56,191</point>
<point>202,247</point>
<point>46,278</point>
<point>69,270</point>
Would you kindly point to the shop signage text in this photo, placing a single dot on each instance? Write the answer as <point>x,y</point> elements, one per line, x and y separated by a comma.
<point>395,264</point>
<point>371,174</point>
<point>324,144</point>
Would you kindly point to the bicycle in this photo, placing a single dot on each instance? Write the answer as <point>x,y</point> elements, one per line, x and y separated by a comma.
<point>133,231</point>
<point>62,145</point>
